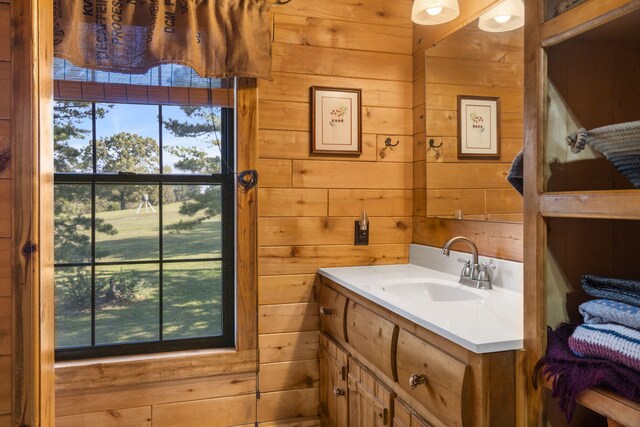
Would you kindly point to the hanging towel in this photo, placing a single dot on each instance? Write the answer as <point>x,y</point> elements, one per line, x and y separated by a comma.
<point>616,343</point>
<point>570,374</point>
<point>516,173</point>
<point>600,311</point>
<point>627,291</point>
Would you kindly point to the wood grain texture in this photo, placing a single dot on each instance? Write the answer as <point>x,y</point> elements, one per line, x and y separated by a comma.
<point>136,395</point>
<point>333,369</point>
<point>5,32</point>
<point>282,347</point>
<point>6,367</point>
<point>5,87</point>
<point>287,404</point>
<point>289,375</point>
<point>341,174</point>
<point>6,330</point>
<point>350,202</point>
<point>5,145</point>
<point>288,318</point>
<point>225,411</point>
<point>294,202</point>
<point>113,418</point>
<point>287,289</point>
<point>307,259</point>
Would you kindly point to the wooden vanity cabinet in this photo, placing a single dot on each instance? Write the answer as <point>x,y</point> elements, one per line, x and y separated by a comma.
<point>404,416</point>
<point>381,355</point>
<point>333,383</point>
<point>370,400</point>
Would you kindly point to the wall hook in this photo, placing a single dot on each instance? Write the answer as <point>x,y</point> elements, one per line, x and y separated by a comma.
<point>280,2</point>
<point>387,144</point>
<point>432,145</point>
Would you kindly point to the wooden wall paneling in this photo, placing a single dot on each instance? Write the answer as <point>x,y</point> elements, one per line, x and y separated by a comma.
<point>5,386</point>
<point>6,330</point>
<point>331,230</point>
<point>5,273</point>
<point>380,12</point>
<point>5,87</point>
<point>293,87</point>
<point>494,239</point>
<point>289,375</point>
<point>287,289</point>
<point>288,346</point>
<point>122,417</point>
<point>137,395</point>
<point>309,31</point>
<point>277,318</point>
<point>5,32</point>
<point>275,260</point>
<point>342,174</point>
<point>6,188</point>
<point>350,202</point>
<point>274,172</point>
<point>5,144</point>
<point>225,411</point>
<point>282,405</point>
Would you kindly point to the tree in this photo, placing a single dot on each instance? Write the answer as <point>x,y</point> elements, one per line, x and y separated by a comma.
<point>127,153</point>
<point>204,126</point>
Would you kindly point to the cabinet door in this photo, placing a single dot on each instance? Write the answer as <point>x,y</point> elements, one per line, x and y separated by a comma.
<point>333,383</point>
<point>369,399</point>
<point>404,416</point>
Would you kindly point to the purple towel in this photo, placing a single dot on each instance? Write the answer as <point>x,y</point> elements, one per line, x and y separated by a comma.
<point>571,374</point>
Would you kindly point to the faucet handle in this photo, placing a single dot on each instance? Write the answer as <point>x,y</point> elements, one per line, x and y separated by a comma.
<point>466,270</point>
<point>486,265</point>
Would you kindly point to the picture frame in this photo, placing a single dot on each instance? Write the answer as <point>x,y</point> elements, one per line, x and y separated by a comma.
<point>478,127</point>
<point>336,120</point>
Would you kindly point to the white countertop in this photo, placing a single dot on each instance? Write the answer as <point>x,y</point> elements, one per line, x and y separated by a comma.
<point>487,321</point>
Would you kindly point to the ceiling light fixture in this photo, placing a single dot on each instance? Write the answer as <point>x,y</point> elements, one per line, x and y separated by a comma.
<point>507,15</point>
<point>433,12</point>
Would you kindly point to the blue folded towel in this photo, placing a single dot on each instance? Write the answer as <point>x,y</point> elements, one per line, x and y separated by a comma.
<point>602,311</point>
<point>516,173</point>
<point>627,291</point>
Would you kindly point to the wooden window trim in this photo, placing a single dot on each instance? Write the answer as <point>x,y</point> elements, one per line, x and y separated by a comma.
<point>32,257</point>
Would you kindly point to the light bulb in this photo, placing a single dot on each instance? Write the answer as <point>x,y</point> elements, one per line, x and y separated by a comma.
<point>433,11</point>
<point>502,19</point>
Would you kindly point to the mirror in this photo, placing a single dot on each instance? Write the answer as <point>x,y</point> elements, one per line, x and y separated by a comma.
<point>475,65</point>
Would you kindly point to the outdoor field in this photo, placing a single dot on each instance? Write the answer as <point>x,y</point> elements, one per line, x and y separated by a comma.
<point>191,290</point>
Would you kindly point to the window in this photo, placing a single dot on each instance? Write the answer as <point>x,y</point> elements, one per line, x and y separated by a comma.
<point>144,203</point>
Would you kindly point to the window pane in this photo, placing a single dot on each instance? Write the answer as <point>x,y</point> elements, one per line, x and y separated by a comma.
<point>192,226</point>
<point>192,299</point>
<point>72,223</point>
<point>132,214</point>
<point>191,139</point>
<point>73,306</point>
<point>72,136</point>
<point>127,307</point>
<point>127,138</point>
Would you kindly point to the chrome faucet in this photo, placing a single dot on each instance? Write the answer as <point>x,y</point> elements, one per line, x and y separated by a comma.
<point>472,274</point>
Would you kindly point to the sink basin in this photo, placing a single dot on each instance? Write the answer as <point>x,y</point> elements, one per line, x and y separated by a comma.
<point>427,290</point>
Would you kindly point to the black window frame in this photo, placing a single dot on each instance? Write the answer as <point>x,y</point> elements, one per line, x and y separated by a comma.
<point>226,179</point>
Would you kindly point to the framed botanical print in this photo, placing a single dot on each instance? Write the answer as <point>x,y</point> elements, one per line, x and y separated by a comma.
<point>478,127</point>
<point>336,122</point>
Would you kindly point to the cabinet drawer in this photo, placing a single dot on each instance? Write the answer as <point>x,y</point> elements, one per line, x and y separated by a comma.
<point>435,379</point>
<point>332,306</point>
<point>404,416</point>
<point>374,337</point>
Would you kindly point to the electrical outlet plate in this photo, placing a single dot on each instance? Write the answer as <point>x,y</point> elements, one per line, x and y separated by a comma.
<point>361,236</point>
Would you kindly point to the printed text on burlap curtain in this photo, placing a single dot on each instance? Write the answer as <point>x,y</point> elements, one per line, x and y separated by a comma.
<point>217,38</point>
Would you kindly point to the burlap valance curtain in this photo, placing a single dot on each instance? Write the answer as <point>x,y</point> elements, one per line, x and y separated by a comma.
<point>217,38</point>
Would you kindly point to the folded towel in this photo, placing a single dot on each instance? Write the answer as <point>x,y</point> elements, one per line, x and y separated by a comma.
<point>627,291</point>
<point>601,311</point>
<point>516,173</point>
<point>570,374</point>
<point>616,343</point>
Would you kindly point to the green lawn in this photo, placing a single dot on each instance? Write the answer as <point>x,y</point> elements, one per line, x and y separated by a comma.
<point>192,290</point>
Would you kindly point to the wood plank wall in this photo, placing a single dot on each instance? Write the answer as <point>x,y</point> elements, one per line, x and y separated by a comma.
<point>308,204</point>
<point>6,185</point>
<point>493,65</point>
<point>503,240</point>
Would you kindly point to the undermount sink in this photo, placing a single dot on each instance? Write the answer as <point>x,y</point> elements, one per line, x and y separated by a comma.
<point>427,289</point>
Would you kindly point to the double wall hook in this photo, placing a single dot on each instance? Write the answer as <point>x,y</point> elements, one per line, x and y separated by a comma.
<point>387,144</point>
<point>433,146</point>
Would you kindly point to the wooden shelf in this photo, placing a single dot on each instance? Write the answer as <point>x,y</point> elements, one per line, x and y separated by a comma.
<point>583,18</point>
<point>616,408</point>
<point>609,204</point>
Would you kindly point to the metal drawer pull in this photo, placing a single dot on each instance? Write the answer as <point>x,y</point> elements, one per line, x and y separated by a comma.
<point>338,392</point>
<point>415,380</point>
<point>326,311</point>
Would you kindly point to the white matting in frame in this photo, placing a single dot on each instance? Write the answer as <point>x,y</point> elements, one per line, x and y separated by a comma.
<point>335,121</point>
<point>478,127</point>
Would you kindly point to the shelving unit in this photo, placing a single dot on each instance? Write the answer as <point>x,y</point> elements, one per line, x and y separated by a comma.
<point>581,215</point>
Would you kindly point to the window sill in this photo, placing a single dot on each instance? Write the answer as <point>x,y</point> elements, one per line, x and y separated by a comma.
<point>152,368</point>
